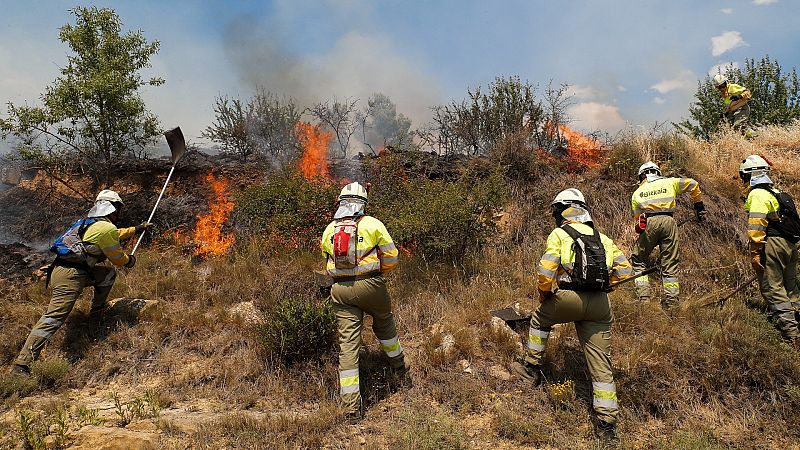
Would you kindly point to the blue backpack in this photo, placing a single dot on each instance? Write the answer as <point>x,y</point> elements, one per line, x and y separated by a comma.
<point>69,246</point>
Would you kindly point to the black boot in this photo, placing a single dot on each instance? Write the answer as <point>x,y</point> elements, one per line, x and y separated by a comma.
<point>21,370</point>
<point>606,431</point>
<point>528,372</point>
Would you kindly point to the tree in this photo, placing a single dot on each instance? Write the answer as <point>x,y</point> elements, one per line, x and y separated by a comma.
<point>343,118</point>
<point>92,114</point>
<point>383,125</point>
<point>263,127</point>
<point>776,98</point>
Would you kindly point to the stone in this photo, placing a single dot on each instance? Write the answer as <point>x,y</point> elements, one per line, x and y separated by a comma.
<point>130,307</point>
<point>465,366</point>
<point>447,346</point>
<point>106,438</point>
<point>497,371</point>
<point>247,312</point>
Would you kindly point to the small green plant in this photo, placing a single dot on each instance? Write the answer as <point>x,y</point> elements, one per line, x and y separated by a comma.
<point>298,329</point>
<point>562,393</point>
<point>33,430</point>
<point>59,427</point>
<point>50,371</point>
<point>509,424</point>
<point>147,407</point>
<point>123,411</point>
<point>424,429</point>
<point>14,384</point>
<point>87,416</point>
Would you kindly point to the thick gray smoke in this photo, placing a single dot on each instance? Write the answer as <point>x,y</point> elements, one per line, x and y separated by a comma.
<point>356,66</point>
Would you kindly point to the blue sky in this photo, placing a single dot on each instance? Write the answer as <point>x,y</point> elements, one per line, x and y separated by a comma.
<point>632,63</point>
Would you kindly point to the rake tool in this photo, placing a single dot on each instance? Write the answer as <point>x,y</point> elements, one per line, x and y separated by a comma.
<point>177,146</point>
<point>740,288</point>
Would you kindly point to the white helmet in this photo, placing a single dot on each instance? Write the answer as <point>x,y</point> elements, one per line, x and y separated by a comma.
<point>105,203</point>
<point>353,191</point>
<point>108,194</point>
<point>720,80</point>
<point>649,167</point>
<point>570,196</point>
<point>754,163</point>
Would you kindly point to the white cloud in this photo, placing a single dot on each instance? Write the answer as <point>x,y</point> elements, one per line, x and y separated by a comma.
<point>764,2</point>
<point>621,88</point>
<point>722,68</point>
<point>591,116</point>
<point>582,92</point>
<point>726,10</point>
<point>726,42</point>
<point>659,101</point>
<point>683,81</point>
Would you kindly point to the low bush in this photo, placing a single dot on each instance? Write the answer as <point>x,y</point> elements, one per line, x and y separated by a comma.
<point>50,371</point>
<point>15,384</point>
<point>426,429</point>
<point>298,330</point>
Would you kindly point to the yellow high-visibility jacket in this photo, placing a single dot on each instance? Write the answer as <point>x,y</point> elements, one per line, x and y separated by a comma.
<point>761,207</point>
<point>559,258</point>
<point>660,196</point>
<point>376,252</point>
<point>103,239</point>
<point>735,89</point>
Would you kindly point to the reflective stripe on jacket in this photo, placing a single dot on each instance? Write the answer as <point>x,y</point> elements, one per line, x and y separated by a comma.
<point>103,239</point>
<point>761,207</point>
<point>735,89</point>
<point>660,196</point>
<point>376,251</point>
<point>559,258</point>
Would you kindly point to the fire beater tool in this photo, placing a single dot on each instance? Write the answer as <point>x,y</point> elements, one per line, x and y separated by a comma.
<point>177,146</point>
<point>740,288</point>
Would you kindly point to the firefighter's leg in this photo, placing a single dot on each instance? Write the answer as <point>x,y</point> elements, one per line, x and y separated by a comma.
<point>669,261</point>
<point>373,298</point>
<point>777,260</point>
<point>565,306</point>
<point>640,260</point>
<point>594,334</point>
<point>349,319</point>
<point>103,280</point>
<point>67,284</point>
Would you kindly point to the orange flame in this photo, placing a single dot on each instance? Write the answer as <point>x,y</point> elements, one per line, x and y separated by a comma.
<point>582,148</point>
<point>314,160</point>
<point>208,232</point>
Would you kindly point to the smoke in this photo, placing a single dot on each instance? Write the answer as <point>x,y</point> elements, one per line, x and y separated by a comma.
<point>356,66</point>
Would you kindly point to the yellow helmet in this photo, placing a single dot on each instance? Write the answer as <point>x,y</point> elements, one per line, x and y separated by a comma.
<point>354,191</point>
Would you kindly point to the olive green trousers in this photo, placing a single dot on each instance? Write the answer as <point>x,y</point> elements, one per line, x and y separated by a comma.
<point>591,313</point>
<point>67,284</point>
<point>778,284</point>
<point>661,232</point>
<point>351,300</point>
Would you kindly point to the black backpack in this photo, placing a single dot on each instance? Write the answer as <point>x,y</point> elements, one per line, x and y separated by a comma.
<point>789,225</point>
<point>589,272</point>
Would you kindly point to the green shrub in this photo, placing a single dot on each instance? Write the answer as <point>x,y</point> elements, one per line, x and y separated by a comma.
<point>291,209</point>
<point>15,384</point>
<point>49,371</point>
<point>298,329</point>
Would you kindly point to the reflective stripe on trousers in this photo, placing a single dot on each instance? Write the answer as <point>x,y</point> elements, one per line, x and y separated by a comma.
<point>671,286</point>
<point>604,395</point>
<point>537,339</point>
<point>392,347</point>
<point>348,381</point>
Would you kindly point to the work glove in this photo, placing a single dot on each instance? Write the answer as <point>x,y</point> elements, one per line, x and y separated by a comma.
<point>700,211</point>
<point>544,296</point>
<point>144,226</point>
<point>736,97</point>
<point>756,259</point>
<point>131,261</point>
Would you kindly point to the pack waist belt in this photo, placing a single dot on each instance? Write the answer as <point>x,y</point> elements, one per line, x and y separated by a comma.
<point>365,276</point>
<point>69,264</point>
<point>653,214</point>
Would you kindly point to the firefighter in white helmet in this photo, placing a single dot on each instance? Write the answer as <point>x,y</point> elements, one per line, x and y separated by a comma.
<point>773,230</point>
<point>358,252</point>
<point>736,98</point>
<point>79,254</point>
<point>653,204</point>
<point>573,288</point>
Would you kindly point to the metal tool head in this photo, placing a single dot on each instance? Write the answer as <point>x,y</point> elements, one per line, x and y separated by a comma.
<point>510,314</point>
<point>176,142</point>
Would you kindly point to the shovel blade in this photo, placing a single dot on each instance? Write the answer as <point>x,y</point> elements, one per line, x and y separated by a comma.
<point>510,314</point>
<point>176,142</point>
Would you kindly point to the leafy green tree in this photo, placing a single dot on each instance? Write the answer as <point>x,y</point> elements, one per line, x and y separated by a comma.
<point>776,98</point>
<point>92,115</point>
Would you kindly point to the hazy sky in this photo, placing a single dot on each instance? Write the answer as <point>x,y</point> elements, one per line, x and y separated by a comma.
<point>630,61</point>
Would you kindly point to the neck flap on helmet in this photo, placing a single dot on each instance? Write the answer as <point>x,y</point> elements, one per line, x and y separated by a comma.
<point>349,208</point>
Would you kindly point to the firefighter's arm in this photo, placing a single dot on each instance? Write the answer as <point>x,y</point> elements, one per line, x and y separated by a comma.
<point>757,221</point>
<point>126,233</point>
<point>326,245</point>
<point>386,248</point>
<point>637,210</point>
<point>548,265</point>
<point>109,244</point>
<point>620,266</point>
<point>690,185</point>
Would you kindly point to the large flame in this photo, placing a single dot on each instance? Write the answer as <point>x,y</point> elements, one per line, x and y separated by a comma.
<point>582,148</point>
<point>208,232</point>
<point>315,141</point>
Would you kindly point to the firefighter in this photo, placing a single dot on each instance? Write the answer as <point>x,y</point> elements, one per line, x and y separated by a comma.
<point>653,203</point>
<point>571,290</point>
<point>773,246</point>
<point>79,252</point>
<point>358,252</point>
<point>736,98</point>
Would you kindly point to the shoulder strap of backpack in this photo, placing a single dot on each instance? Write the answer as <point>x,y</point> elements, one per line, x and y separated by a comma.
<point>571,231</point>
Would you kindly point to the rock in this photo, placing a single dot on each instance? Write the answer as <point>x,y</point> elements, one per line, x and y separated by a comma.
<point>464,365</point>
<point>105,438</point>
<point>362,440</point>
<point>501,328</point>
<point>447,346</point>
<point>130,307</point>
<point>247,312</point>
<point>499,372</point>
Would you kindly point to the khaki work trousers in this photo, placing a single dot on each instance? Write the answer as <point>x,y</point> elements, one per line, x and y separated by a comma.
<point>351,299</point>
<point>778,284</point>
<point>67,284</point>
<point>739,117</point>
<point>661,232</point>
<point>591,313</point>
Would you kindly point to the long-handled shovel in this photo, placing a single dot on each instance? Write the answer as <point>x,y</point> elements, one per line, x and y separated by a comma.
<point>177,146</point>
<point>734,292</point>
